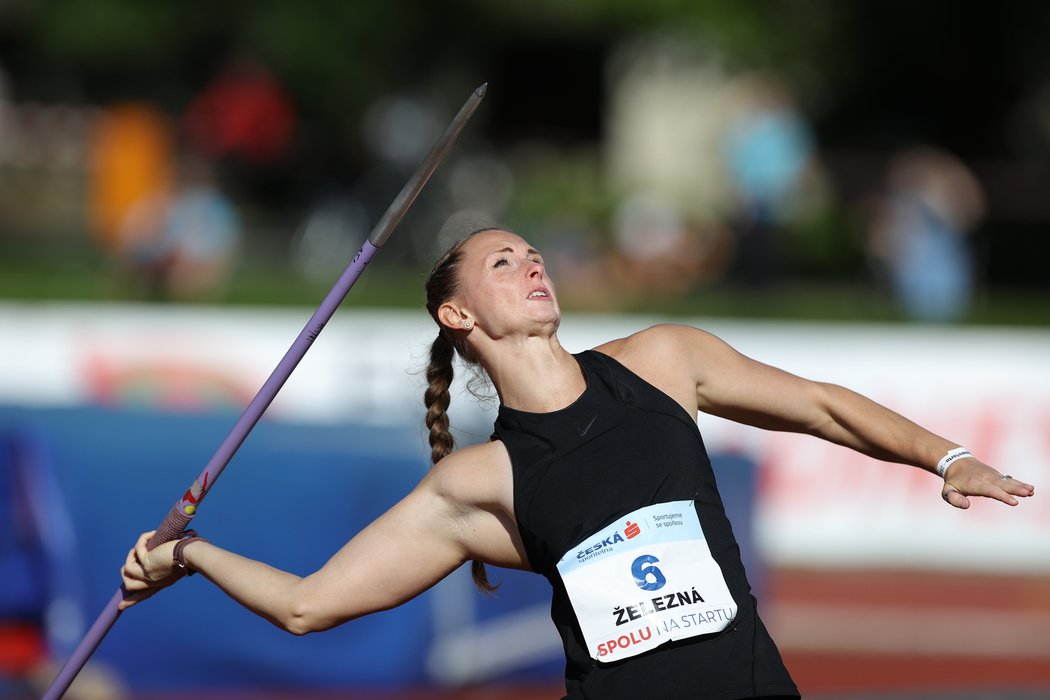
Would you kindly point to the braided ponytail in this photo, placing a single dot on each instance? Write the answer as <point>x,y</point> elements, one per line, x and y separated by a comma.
<point>437,397</point>
<point>442,285</point>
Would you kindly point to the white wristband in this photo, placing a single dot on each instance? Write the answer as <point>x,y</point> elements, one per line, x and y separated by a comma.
<point>951,456</point>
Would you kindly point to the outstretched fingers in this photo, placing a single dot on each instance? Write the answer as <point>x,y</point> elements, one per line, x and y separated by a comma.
<point>1011,487</point>
<point>972,478</point>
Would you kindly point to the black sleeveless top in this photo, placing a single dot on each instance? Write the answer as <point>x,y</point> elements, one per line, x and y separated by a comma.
<point>621,446</point>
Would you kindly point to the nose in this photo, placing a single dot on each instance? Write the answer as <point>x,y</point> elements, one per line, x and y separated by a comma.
<point>535,269</point>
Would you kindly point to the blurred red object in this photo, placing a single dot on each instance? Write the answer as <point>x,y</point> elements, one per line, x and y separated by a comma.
<point>22,648</point>
<point>243,113</point>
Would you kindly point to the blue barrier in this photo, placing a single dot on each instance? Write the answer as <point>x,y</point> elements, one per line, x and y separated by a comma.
<point>292,496</point>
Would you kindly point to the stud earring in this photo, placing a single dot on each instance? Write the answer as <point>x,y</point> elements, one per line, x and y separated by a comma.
<point>468,324</point>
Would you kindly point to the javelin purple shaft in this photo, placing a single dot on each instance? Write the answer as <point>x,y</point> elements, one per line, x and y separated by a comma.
<point>185,508</point>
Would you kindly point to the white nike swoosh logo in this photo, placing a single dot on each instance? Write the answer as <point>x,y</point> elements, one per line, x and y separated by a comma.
<point>584,431</point>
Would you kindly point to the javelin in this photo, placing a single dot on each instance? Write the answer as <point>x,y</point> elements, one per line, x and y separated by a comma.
<point>177,520</point>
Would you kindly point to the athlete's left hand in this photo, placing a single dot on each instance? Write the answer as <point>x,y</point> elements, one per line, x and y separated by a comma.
<point>971,477</point>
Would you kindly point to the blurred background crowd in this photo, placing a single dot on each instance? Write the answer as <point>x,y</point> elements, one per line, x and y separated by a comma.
<point>825,159</point>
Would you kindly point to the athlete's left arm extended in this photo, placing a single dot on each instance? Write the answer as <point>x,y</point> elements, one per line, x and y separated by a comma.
<point>738,388</point>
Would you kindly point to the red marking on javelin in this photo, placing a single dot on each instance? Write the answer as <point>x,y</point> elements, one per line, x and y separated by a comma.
<point>189,494</point>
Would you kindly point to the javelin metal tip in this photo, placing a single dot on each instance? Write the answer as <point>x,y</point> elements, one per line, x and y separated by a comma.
<point>480,91</point>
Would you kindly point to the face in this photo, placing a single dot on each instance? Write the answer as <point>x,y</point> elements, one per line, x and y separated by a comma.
<point>504,286</point>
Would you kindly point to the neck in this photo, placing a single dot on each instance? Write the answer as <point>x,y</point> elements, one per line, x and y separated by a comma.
<point>535,374</point>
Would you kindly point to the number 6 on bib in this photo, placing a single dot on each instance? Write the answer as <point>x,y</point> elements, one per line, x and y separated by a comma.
<point>644,581</point>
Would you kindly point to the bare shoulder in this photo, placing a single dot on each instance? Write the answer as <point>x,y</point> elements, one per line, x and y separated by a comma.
<point>666,345</point>
<point>476,487</point>
<point>668,356</point>
<point>474,476</point>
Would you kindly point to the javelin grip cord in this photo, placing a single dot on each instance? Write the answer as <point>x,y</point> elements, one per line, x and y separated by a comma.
<point>178,519</point>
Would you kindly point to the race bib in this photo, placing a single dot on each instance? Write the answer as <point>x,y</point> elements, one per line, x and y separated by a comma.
<point>647,579</point>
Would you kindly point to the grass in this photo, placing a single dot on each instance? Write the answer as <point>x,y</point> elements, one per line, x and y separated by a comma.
<point>88,275</point>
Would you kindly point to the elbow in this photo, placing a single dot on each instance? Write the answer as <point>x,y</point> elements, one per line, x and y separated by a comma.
<point>307,613</point>
<point>304,618</point>
<point>297,623</point>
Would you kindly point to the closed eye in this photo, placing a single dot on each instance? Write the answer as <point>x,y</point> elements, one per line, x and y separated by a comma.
<point>500,262</point>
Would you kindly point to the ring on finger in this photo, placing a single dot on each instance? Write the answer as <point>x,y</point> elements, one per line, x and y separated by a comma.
<point>1005,477</point>
<point>949,492</point>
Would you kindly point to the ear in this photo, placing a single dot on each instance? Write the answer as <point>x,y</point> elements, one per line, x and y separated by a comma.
<point>453,317</point>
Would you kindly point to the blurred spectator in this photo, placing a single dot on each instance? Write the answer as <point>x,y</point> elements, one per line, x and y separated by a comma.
<point>24,580</point>
<point>41,600</point>
<point>663,163</point>
<point>182,244</point>
<point>242,115</point>
<point>768,152</point>
<point>656,251</point>
<point>131,152</point>
<point>919,239</point>
<point>664,125</point>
